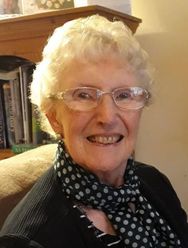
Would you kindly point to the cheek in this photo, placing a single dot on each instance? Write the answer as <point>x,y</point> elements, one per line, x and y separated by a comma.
<point>72,122</point>
<point>133,121</point>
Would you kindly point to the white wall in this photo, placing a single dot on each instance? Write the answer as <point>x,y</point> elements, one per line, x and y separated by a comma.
<point>163,137</point>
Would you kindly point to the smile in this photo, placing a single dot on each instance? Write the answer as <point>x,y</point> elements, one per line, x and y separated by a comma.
<point>105,140</point>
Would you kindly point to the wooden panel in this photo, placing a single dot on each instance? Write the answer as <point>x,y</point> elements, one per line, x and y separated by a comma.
<point>6,153</point>
<point>29,48</point>
<point>25,36</point>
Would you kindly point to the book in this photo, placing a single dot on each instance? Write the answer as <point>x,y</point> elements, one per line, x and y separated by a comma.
<point>9,114</point>
<point>14,110</point>
<point>5,76</point>
<point>19,148</point>
<point>17,109</point>
<point>23,120</point>
<point>25,73</point>
<point>3,130</point>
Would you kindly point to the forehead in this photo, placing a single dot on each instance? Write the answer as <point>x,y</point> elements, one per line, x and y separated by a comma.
<point>105,74</point>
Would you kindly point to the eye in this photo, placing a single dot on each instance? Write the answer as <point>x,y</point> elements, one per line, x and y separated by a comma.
<point>123,94</point>
<point>84,94</point>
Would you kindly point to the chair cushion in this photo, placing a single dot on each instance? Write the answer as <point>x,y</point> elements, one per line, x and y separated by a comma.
<point>19,173</point>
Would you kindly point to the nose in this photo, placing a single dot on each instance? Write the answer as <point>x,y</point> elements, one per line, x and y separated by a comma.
<point>107,111</point>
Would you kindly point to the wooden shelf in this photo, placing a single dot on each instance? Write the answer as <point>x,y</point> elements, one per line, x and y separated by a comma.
<point>25,36</point>
<point>5,153</point>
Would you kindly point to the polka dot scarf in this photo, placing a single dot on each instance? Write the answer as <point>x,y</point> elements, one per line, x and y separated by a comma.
<point>141,226</point>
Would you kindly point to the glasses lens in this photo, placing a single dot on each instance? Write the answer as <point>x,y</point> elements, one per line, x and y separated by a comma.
<point>86,98</point>
<point>130,98</point>
<point>82,98</point>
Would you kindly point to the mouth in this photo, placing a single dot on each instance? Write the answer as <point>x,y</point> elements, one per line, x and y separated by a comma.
<point>104,139</point>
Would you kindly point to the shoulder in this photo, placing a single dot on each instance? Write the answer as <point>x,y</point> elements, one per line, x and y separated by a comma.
<point>145,170</point>
<point>37,208</point>
<point>150,174</point>
<point>152,181</point>
<point>157,188</point>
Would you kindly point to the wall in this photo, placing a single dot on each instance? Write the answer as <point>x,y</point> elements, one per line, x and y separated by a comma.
<point>163,136</point>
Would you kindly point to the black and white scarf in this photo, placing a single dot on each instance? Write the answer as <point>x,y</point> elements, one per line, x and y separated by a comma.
<point>141,228</point>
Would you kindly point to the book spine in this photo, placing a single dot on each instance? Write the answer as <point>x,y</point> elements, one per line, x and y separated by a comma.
<point>3,136</point>
<point>19,148</point>
<point>26,72</point>
<point>17,109</point>
<point>9,114</point>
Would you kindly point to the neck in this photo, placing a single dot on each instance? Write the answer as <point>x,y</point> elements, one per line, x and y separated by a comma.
<point>114,179</point>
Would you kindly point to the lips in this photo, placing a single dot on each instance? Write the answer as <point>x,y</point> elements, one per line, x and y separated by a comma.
<point>105,139</point>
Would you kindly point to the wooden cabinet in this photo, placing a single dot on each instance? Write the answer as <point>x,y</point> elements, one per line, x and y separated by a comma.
<point>25,36</point>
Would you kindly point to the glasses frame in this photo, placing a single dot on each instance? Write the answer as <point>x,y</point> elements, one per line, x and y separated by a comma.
<point>61,96</point>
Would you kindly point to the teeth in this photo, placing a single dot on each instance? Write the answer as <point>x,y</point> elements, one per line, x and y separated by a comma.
<point>104,139</point>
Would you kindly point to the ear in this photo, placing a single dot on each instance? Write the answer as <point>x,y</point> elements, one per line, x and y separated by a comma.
<point>57,127</point>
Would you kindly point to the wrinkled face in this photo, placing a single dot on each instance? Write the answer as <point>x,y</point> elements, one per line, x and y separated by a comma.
<point>102,139</point>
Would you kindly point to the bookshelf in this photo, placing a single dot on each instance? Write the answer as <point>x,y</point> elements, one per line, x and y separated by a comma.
<point>25,36</point>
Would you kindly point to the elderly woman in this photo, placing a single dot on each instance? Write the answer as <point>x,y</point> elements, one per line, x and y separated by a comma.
<point>92,85</point>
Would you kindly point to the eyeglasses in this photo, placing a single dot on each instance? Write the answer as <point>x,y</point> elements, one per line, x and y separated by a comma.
<point>88,98</point>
